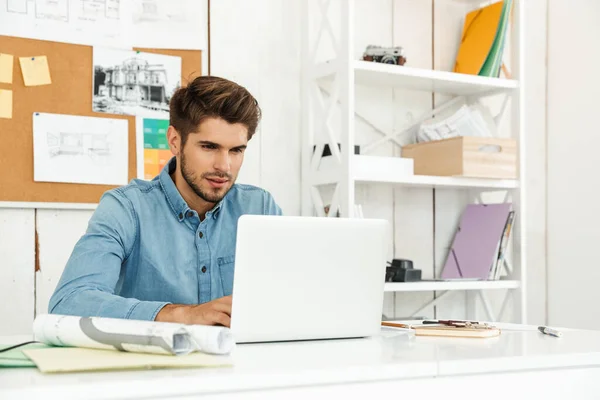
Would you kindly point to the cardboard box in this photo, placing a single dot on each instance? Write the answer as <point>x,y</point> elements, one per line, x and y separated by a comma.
<point>474,157</point>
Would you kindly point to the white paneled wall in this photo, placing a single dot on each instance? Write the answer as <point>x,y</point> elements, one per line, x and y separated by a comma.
<point>413,207</point>
<point>17,271</point>
<point>58,231</point>
<point>573,147</point>
<point>257,44</point>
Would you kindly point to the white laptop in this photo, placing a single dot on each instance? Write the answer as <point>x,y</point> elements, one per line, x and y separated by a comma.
<point>303,278</point>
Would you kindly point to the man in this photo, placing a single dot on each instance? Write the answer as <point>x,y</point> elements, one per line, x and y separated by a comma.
<point>164,250</point>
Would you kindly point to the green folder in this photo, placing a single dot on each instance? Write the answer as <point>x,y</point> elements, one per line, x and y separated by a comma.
<point>15,358</point>
<point>493,62</point>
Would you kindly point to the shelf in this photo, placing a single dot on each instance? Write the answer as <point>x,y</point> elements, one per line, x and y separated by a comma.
<point>47,205</point>
<point>391,170</point>
<point>439,182</point>
<point>377,74</point>
<point>425,286</point>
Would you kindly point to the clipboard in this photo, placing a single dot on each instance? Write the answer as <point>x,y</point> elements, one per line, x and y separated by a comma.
<point>456,331</point>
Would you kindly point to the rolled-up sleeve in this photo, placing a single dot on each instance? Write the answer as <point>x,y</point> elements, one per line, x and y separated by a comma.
<point>90,278</point>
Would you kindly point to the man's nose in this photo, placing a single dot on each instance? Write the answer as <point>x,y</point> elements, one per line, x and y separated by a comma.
<point>223,161</point>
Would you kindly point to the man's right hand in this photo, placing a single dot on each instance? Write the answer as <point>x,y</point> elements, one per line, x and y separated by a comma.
<point>216,312</point>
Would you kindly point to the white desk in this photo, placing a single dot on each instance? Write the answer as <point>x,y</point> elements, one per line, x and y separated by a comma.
<point>523,362</point>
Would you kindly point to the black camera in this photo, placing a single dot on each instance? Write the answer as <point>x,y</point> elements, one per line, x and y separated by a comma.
<point>400,270</point>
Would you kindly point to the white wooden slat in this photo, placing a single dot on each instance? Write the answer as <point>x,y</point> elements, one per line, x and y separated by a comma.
<point>413,208</point>
<point>58,231</point>
<point>233,35</point>
<point>373,25</point>
<point>536,30</point>
<point>448,19</point>
<point>17,270</point>
<point>278,58</point>
<point>573,144</point>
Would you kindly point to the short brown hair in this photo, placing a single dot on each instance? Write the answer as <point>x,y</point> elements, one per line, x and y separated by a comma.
<point>212,97</point>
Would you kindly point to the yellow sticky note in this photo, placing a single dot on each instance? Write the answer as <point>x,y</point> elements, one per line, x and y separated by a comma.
<point>6,103</point>
<point>35,70</point>
<point>6,68</point>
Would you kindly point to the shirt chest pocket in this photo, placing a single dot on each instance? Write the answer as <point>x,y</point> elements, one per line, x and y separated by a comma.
<point>226,268</point>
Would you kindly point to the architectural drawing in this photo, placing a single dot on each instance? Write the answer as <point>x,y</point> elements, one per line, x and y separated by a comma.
<point>94,145</point>
<point>88,22</point>
<point>109,23</point>
<point>99,9</point>
<point>77,149</point>
<point>113,9</point>
<point>187,21</point>
<point>159,11</point>
<point>16,6</point>
<point>55,10</point>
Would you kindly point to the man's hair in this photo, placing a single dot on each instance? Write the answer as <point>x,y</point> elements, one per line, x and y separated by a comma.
<point>212,97</point>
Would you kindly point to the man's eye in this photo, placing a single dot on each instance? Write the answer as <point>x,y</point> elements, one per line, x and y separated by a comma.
<point>209,146</point>
<point>237,150</point>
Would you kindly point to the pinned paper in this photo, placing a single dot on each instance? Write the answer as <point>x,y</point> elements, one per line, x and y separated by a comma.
<point>6,101</point>
<point>35,70</point>
<point>6,68</point>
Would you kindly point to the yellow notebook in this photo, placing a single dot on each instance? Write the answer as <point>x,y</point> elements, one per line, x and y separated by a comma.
<point>479,32</point>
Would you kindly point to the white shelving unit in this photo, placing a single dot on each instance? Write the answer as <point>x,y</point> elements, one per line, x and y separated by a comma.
<point>343,72</point>
<point>427,286</point>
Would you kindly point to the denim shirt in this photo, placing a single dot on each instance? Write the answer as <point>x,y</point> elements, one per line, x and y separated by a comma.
<point>145,248</point>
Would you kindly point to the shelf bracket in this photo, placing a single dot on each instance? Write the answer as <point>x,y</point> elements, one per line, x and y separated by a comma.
<point>504,304</point>
<point>367,122</point>
<point>426,115</point>
<point>433,302</point>
<point>486,306</point>
<point>325,26</point>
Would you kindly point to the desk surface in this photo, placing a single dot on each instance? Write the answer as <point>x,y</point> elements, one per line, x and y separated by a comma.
<point>391,356</point>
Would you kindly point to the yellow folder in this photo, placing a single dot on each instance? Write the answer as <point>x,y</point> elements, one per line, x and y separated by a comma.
<point>479,32</point>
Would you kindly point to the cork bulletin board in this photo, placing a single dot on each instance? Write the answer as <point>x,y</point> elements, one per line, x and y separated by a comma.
<point>70,93</point>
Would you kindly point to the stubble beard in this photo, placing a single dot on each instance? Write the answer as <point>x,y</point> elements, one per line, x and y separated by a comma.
<point>212,195</point>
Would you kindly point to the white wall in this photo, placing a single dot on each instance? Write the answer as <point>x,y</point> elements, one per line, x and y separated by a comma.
<point>573,146</point>
<point>17,270</point>
<point>258,45</point>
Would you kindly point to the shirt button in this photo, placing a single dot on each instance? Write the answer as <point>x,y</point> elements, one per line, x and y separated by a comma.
<point>201,235</point>
<point>180,216</point>
<point>190,214</point>
<point>203,270</point>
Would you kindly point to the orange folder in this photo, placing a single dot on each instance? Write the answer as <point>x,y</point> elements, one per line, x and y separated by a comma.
<point>478,35</point>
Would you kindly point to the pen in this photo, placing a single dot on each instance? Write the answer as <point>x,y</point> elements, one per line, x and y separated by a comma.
<point>395,325</point>
<point>450,322</point>
<point>549,331</point>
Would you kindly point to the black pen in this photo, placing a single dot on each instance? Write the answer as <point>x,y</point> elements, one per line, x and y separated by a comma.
<point>449,322</point>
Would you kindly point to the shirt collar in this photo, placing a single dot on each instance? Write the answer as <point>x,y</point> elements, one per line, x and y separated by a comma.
<point>178,205</point>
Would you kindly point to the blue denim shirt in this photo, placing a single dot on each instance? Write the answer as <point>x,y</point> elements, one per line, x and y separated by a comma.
<point>145,248</point>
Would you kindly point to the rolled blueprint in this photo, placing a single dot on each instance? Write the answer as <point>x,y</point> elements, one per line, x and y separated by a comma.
<point>131,335</point>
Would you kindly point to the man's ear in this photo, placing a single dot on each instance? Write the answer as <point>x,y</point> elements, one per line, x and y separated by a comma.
<point>174,140</point>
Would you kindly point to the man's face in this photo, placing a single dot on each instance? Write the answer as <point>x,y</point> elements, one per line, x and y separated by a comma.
<point>212,157</point>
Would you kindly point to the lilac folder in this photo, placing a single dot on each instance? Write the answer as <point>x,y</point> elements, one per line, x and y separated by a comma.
<point>476,241</point>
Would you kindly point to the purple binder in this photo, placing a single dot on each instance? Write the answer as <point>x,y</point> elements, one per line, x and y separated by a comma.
<point>476,241</point>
